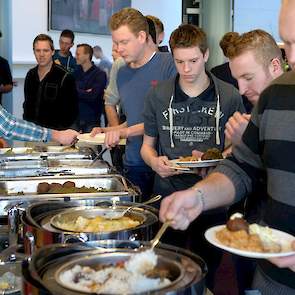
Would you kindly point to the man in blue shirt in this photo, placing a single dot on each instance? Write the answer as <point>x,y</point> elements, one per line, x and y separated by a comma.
<point>90,83</point>
<point>144,67</point>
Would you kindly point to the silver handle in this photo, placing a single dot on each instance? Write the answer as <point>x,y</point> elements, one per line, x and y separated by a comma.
<point>31,240</point>
<point>76,237</point>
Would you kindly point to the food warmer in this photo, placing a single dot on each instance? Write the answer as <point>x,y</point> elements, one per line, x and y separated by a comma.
<point>39,229</point>
<point>185,270</point>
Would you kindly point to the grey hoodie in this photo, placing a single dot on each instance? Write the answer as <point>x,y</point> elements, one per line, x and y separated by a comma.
<point>183,123</point>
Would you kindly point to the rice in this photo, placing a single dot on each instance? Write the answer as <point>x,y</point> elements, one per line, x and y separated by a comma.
<point>114,279</point>
<point>142,262</point>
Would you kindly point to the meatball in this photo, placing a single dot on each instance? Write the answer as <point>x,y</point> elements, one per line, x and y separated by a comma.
<point>42,188</point>
<point>69,184</point>
<point>237,224</point>
<point>55,188</point>
<point>212,154</point>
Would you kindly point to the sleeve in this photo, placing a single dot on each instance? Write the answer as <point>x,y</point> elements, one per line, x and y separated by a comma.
<point>69,97</point>
<point>245,165</point>
<point>17,129</point>
<point>111,94</point>
<point>7,78</point>
<point>170,66</point>
<point>149,114</point>
<point>26,105</point>
<point>98,86</point>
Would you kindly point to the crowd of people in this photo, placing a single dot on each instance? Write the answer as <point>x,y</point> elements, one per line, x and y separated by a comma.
<point>167,104</point>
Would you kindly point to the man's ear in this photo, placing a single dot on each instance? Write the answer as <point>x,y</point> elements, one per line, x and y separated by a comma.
<point>275,66</point>
<point>206,55</point>
<point>142,36</point>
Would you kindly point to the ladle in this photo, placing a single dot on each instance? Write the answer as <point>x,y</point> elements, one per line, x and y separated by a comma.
<point>112,214</point>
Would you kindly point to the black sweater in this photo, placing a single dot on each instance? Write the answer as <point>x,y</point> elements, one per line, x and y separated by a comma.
<point>52,102</point>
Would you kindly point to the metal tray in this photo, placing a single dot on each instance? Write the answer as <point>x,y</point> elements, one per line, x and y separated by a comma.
<point>22,164</point>
<point>29,153</point>
<point>42,167</point>
<point>115,184</point>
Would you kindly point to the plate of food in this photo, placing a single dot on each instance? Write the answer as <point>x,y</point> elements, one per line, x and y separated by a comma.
<point>250,240</point>
<point>98,139</point>
<point>209,159</point>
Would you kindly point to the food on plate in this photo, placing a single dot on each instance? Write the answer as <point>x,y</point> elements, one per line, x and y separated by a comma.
<point>129,277</point>
<point>188,159</point>
<point>212,154</point>
<point>66,188</point>
<point>98,224</point>
<point>9,282</point>
<point>249,237</point>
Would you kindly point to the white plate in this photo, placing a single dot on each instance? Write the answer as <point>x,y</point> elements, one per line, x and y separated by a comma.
<point>284,238</point>
<point>97,139</point>
<point>196,164</point>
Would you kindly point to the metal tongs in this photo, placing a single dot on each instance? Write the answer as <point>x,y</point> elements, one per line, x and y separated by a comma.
<point>112,214</point>
<point>98,156</point>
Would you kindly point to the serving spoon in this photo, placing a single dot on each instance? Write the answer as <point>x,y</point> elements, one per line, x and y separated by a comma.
<point>159,234</point>
<point>118,214</point>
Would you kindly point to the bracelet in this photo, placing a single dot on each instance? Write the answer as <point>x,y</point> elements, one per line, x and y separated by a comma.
<point>200,194</point>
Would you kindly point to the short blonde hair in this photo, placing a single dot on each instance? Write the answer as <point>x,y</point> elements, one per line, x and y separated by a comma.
<point>131,18</point>
<point>260,42</point>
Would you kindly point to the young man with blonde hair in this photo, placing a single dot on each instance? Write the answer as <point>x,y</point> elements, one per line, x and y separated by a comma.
<point>186,115</point>
<point>255,60</point>
<point>144,67</point>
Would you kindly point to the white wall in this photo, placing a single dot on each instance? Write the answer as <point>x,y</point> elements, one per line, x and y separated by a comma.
<point>29,18</point>
<point>168,11</point>
<point>254,14</point>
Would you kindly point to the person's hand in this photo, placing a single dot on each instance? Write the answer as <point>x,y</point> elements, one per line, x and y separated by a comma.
<point>235,127</point>
<point>284,262</point>
<point>112,138</point>
<point>181,208</point>
<point>96,130</point>
<point>65,137</point>
<point>161,165</point>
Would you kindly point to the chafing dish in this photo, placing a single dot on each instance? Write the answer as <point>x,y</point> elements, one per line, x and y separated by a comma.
<point>186,270</point>
<point>32,153</point>
<point>38,230</point>
<point>43,167</point>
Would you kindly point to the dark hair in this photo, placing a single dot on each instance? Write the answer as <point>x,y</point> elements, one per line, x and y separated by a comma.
<point>87,49</point>
<point>158,24</point>
<point>69,34</point>
<point>43,37</point>
<point>188,35</point>
<point>152,29</point>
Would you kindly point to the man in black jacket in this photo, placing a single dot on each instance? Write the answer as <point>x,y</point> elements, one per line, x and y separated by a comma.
<point>50,92</point>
